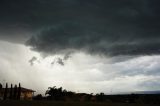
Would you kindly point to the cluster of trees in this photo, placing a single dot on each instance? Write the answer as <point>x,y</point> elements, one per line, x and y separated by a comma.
<point>60,94</point>
<point>54,93</point>
<point>10,93</point>
<point>100,97</point>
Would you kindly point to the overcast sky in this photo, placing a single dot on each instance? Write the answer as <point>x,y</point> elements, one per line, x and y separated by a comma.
<point>82,45</point>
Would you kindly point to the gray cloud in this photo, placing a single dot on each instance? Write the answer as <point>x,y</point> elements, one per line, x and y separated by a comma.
<point>151,84</point>
<point>52,63</point>
<point>32,60</point>
<point>109,27</point>
<point>60,61</point>
<point>67,56</point>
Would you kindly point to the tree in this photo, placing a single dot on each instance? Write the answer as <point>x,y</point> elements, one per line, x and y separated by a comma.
<point>38,97</point>
<point>51,92</point>
<point>5,92</point>
<point>15,92</point>
<point>100,97</point>
<point>0,86</point>
<point>0,89</point>
<point>55,93</point>
<point>11,92</point>
<point>19,92</point>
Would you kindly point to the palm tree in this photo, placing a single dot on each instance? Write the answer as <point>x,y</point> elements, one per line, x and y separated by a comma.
<point>51,92</point>
<point>55,93</point>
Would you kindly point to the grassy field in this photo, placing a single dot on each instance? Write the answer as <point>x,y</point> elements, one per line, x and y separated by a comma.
<point>51,103</point>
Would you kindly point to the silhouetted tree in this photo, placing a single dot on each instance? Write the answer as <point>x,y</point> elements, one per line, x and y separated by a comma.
<point>38,97</point>
<point>56,93</point>
<point>5,92</point>
<point>68,93</point>
<point>19,92</point>
<point>0,89</point>
<point>0,86</point>
<point>89,97</point>
<point>15,92</point>
<point>100,97</point>
<point>51,92</point>
<point>11,92</point>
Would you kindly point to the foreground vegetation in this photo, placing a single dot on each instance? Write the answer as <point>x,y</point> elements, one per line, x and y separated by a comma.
<point>58,94</point>
<point>53,103</point>
<point>62,97</point>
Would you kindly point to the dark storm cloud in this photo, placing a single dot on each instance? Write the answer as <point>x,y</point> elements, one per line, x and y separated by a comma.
<point>110,27</point>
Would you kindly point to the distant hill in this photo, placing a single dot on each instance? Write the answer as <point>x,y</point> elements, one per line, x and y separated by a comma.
<point>147,92</point>
<point>137,92</point>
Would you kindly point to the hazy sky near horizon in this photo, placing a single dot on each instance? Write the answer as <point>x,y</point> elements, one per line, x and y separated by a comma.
<point>82,45</point>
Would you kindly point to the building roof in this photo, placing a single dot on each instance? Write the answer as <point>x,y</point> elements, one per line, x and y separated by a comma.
<point>27,90</point>
<point>22,89</point>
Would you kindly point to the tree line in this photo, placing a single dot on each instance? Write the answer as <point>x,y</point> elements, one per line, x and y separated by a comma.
<point>60,94</point>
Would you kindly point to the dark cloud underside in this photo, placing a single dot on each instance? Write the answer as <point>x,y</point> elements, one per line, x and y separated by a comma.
<point>110,27</point>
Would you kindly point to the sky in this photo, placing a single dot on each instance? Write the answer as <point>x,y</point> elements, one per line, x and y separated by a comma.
<point>87,46</point>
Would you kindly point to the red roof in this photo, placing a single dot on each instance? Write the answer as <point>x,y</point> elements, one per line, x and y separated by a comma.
<point>27,90</point>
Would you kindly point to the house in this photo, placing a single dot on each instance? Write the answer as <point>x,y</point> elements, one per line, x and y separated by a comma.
<point>25,94</point>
